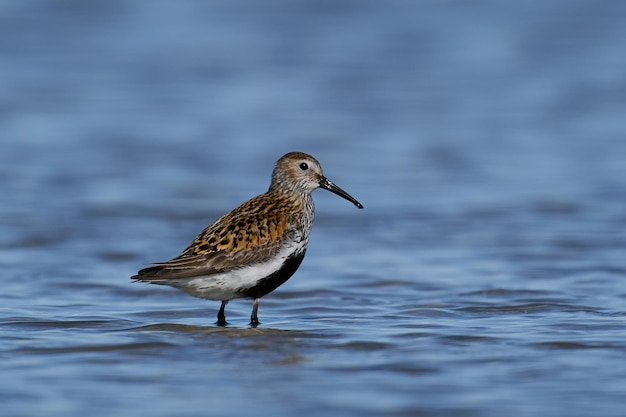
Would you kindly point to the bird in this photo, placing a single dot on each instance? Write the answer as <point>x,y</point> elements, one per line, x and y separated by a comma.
<point>256,247</point>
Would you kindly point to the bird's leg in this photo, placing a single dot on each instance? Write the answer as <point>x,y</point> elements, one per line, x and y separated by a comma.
<point>254,319</point>
<point>221,316</point>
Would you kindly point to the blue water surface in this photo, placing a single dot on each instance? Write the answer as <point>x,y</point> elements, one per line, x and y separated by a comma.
<point>486,140</point>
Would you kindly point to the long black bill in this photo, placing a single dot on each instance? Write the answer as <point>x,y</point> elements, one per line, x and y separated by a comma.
<point>326,184</point>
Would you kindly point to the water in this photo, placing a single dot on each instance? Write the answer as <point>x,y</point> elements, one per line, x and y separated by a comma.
<point>483,278</point>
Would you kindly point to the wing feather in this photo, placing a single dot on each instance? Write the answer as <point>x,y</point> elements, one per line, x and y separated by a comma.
<point>247,235</point>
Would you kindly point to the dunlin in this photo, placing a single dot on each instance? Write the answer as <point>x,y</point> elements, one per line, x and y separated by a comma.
<point>255,248</point>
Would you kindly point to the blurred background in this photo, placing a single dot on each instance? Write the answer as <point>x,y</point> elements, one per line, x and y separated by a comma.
<point>486,140</point>
<point>404,103</point>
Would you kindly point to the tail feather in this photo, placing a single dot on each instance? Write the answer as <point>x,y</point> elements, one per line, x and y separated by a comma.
<point>147,274</point>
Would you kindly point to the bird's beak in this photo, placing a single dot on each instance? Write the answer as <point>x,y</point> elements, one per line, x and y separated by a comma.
<point>326,184</point>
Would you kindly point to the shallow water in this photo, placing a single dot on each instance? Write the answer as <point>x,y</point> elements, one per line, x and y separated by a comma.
<point>483,278</point>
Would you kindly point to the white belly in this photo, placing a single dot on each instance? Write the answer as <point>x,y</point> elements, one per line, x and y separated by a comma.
<point>229,285</point>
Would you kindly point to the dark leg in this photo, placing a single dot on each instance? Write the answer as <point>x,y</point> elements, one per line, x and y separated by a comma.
<point>221,316</point>
<point>254,319</point>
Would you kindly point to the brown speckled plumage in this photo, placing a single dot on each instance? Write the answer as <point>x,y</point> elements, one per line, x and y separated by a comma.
<point>256,247</point>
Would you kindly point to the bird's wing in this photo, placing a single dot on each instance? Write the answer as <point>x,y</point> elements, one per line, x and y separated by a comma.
<point>240,238</point>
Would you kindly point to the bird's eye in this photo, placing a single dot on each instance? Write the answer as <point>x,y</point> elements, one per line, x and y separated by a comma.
<point>304,166</point>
